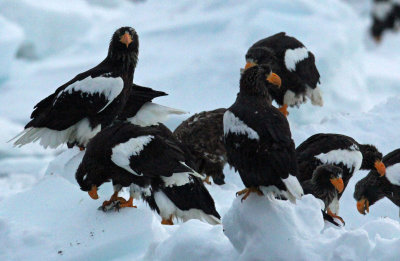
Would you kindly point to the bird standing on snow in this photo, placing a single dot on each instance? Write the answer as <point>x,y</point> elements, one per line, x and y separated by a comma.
<point>338,150</point>
<point>325,184</point>
<point>202,133</point>
<point>373,188</point>
<point>258,139</point>
<point>291,60</point>
<point>153,164</point>
<point>385,16</point>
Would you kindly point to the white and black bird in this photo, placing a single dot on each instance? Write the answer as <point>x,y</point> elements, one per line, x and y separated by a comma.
<point>385,16</point>
<point>80,108</point>
<point>258,140</point>
<point>338,150</point>
<point>153,164</point>
<point>294,63</point>
<point>326,184</point>
<point>372,188</point>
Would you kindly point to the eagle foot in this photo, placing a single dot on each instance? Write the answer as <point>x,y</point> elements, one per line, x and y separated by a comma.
<point>127,204</point>
<point>283,109</point>
<point>247,192</point>
<point>167,221</point>
<point>207,180</point>
<point>330,213</point>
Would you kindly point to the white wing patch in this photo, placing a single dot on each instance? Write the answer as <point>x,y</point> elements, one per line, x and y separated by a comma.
<point>393,174</point>
<point>233,124</point>
<point>122,152</point>
<point>152,113</point>
<point>108,86</point>
<point>177,179</point>
<point>350,158</point>
<point>381,10</point>
<point>294,56</point>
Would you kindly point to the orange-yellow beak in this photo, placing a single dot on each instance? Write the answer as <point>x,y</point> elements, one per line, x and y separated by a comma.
<point>249,65</point>
<point>126,39</point>
<point>274,79</point>
<point>338,184</point>
<point>93,192</point>
<point>362,206</point>
<point>380,167</point>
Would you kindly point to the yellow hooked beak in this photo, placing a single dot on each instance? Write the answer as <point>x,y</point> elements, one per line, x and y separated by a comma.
<point>338,184</point>
<point>126,39</point>
<point>93,192</point>
<point>274,79</point>
<point>362,206</point>
<point>380,167</point>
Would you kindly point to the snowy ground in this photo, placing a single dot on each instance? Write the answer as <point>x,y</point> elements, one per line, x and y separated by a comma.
<point>193,50</point>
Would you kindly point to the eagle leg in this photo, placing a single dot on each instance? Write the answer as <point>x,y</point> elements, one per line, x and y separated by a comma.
<point>81,148</point>
<point>113,198</point>
<point>167,221</point>
<point>283,109</point>
<point>330,213</point>
<point>247,192</point>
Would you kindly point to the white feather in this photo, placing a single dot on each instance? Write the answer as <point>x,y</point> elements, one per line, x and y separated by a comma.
<point>110,87</point>
<point>168,208</point>
<point>334,206</point>
<point>122,152</point>
<point>350,158</point>
<point>315,95</point>
<point>293,186</point>
<point>291,99</point>
<point>80,132</point>
<point>381,9</point>
<point>294,56</point>
<point>393,174</point>
<point>152,113</point>
<point>233,124</point>
<point>177,179</point>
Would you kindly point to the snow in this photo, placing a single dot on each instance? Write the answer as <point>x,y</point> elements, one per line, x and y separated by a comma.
<point>122,153</point>
<point>352,159</point>
<point>294,56</point>
<point>192,50</point>
<point>233,124</point>
<point>11,38</point>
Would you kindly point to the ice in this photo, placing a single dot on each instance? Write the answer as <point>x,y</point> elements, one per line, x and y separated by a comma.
<point>11,38</point>
<point>192,50</point>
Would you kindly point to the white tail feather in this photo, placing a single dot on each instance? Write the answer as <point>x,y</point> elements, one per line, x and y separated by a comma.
<point>152,113</point>
<point>293,186</point>
<point>80,132</point>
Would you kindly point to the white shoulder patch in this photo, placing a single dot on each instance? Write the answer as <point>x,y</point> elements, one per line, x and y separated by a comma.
<point>294,56</point>
<point>393,174</point>
<point>350,158</point>
<point>233,124</point>
<point>121,153</point>
<point>381,9</point>
<point>177,179</point>
<point>293,186</point>
<point>108,86</point>
<point>151,113</point>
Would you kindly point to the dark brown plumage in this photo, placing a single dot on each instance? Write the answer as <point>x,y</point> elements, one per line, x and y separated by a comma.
<point>202,134</point>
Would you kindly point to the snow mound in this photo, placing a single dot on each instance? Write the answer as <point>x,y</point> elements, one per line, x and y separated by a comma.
<point>70,225</point>
<point>264,228</point>
<point>11,38</point>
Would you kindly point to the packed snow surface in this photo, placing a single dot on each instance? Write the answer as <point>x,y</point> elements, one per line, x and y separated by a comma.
<point>192,50</point>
